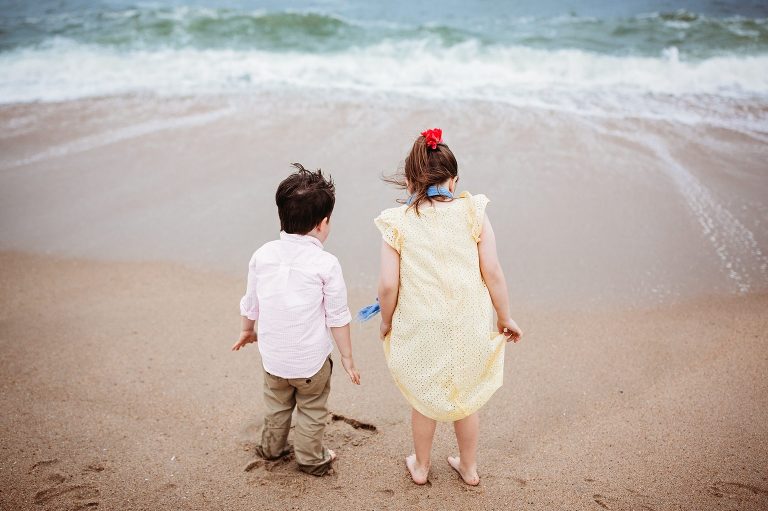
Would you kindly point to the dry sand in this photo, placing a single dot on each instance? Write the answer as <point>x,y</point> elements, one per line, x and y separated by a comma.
<point>119,392</point>
<point>635,253</point>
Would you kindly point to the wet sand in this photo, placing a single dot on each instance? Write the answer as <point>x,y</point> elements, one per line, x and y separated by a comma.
<point>635,255</point>
<point>590,211</point>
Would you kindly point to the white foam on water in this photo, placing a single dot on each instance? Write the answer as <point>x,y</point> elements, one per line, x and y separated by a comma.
<point>110,137</point>
<point>734,244</point>
<point>564,79</point>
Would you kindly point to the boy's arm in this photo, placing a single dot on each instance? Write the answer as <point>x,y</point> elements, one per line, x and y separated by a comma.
<point>249,310</point>
<point>337,318</point>
<point>496,282</point>
<point>335,297</point>
<point>343,340</point>
<point>389,286</point>
<point>247,334</point>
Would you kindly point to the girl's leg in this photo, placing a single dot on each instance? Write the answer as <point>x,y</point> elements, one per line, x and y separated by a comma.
<point>467,433</point>
<point>423,429</point>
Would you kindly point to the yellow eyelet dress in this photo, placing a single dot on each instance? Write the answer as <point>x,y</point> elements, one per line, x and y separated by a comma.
<point>440,351</point>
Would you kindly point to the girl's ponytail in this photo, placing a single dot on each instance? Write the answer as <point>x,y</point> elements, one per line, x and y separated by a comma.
<point>430,162</point>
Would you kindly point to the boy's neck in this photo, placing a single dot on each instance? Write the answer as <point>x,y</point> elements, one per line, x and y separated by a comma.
<point>311,234</point>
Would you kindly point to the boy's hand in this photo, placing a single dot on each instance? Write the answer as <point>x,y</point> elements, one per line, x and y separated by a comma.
<point>510,329</point>
<point>246,337</point>
<point>349,367</point>
<point>384,329</point>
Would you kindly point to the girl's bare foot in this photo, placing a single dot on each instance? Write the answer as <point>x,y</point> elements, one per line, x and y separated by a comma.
<point>418,474</point>
<point>468,475</point>
<point>333,454</point>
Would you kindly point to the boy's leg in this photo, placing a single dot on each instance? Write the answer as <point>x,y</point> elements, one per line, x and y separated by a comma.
<point>279,401</point>
<point>311,417</point>
<point>467,433</point>
<point>423,429</point>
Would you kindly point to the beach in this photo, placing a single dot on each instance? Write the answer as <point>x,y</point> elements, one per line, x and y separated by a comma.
<point>640,382</point>
<point>120,401</point>
<point>625,161</point>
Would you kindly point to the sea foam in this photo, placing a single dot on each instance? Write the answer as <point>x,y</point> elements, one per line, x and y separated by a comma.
<point>63,69</point>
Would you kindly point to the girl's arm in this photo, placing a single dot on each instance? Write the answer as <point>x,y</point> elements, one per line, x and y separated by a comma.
<point>494,279</point>
<point>389,286</point>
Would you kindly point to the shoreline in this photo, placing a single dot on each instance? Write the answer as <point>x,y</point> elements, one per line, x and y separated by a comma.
<point>750,105</point>
<point>588,214</point>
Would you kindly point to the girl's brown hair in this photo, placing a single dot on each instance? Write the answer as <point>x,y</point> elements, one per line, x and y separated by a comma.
<point>425,167</point>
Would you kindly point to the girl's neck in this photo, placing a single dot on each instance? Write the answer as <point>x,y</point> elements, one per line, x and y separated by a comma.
<point>448,184</point>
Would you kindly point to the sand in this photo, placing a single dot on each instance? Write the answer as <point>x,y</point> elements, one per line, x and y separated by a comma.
<point>119,392</point>
<point>636,269</point>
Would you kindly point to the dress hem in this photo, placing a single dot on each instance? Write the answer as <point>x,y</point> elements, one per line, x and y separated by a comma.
<point>453,417</point>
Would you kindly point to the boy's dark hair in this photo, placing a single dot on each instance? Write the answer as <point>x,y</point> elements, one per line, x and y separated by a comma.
<point>303,199</point>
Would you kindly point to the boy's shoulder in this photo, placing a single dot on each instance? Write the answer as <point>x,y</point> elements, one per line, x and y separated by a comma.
<point>266,247</point>
<point>271,250</point>
<point>328,258</point>
<point>267,251</point>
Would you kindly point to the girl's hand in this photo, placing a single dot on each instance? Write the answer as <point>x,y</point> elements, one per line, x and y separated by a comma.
<point>349,367</point>
<point>246,337</point>
<point>384,329</point>
<point>509,328</point>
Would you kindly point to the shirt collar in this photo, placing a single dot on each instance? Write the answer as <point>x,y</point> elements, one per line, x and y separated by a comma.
<point>300,238</point>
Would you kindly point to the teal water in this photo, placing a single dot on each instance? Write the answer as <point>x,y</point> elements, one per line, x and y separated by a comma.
<point>699,30</point>
<point>564,54</point>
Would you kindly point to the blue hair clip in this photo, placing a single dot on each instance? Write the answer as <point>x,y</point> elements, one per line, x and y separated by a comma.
<point>368,311</point>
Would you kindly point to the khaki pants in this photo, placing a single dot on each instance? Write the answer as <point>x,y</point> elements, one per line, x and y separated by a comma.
<point>309,396</point>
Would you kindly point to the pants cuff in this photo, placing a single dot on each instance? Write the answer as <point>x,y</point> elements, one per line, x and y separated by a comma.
<point>260,452</point>
<point>319,469</point>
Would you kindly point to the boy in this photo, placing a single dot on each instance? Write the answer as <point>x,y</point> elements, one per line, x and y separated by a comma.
<point>296,293</point>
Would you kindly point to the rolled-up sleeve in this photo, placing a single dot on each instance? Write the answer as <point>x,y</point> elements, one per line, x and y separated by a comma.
<point>335,297</point>
<point>249,303</point>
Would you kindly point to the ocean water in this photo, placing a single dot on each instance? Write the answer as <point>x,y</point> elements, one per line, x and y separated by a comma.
<point>694,61</point>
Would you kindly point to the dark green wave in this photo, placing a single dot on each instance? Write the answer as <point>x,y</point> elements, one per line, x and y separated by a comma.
<point>146,29</point>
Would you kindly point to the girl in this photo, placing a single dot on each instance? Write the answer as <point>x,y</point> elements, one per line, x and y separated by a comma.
<point>439,276</point>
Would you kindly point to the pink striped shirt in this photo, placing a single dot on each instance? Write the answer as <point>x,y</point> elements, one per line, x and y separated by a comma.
<point>295,292</point>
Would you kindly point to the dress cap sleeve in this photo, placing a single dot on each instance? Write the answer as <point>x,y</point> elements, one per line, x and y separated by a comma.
<point>477,214</point>
<point>388,223</point>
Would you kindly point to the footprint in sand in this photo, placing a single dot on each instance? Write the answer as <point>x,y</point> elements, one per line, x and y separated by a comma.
<point>740,492</point>
<point>620,499</point>
<point>344,431</point>
<point>59,490</point>
<point>601,501</point>
<point>609,502</point>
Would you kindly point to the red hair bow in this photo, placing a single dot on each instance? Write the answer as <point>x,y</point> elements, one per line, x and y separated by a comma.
<point>433,136</point>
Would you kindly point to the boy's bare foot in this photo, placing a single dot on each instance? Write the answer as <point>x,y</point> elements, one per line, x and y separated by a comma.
<point>469,476</point>
<point>418,474</point>
<point>333,454</point>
